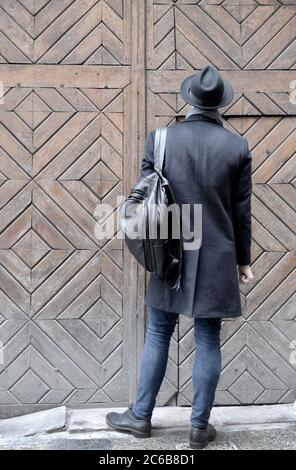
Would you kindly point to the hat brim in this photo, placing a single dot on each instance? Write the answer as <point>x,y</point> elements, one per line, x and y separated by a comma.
<point>225,100</point>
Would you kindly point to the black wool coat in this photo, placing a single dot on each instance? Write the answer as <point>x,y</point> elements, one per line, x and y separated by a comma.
<point>207,164</point>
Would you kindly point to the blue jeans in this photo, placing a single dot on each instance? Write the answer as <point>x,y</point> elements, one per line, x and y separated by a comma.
<point>206,366</point>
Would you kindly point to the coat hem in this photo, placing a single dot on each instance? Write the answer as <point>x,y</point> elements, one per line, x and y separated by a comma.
<point>191,314</point>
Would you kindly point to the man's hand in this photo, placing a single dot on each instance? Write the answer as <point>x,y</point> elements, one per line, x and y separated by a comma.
<point>245,274</point>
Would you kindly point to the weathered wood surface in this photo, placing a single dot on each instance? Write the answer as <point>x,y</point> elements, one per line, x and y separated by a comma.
<point>80,94</point>
<point>253,44</point>
<point>66,298</point>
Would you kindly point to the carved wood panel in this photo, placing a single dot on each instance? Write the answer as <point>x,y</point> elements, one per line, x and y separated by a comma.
<point>253,44</point>
<point>65,297</point>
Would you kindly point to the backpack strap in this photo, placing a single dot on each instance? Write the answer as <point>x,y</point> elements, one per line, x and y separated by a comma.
<point>159,147</point>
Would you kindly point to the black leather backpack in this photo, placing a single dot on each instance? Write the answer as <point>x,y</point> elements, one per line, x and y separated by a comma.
<point>154,243</point>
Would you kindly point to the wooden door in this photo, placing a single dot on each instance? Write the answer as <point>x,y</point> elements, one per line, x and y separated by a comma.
<point>68,301</point>
<point>84,81</point>
<point>253,44</point>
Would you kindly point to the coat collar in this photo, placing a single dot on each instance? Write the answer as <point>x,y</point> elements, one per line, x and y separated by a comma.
<point>202,117</point>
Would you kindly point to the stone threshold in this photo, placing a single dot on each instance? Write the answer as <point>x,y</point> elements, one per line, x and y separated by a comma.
<point>165,419</point>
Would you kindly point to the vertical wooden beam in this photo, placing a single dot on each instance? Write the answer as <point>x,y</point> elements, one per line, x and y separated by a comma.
<point>135,151</point>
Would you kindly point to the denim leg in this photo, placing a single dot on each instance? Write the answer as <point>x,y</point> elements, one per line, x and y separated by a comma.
<point>154,359</point>
<point>206,369</point>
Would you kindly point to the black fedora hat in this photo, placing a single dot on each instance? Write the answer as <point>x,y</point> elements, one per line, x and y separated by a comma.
<point>207,89</point>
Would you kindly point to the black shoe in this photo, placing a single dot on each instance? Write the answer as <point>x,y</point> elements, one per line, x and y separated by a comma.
<point>199,438</point>
<point>128,422</point>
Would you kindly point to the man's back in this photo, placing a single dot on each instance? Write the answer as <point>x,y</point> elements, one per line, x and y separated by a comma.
<point>202,160</point>
<point>206,164</point>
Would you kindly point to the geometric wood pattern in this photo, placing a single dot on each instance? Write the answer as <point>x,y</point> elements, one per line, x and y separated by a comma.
<point>62,289</point>
<point>253,44</point>
<point>64,128</point>
<point>232,35</point>
<point>65,32</point>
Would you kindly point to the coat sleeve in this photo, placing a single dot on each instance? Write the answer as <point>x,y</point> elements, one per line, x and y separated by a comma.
<point>241,208</point>
<point>147,164</point>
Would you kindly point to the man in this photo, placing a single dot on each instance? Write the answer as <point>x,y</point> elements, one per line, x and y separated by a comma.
<point>208,165</point>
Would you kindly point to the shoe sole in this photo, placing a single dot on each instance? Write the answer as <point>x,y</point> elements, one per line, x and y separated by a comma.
<point>138,434</point>
<point>201,445</point>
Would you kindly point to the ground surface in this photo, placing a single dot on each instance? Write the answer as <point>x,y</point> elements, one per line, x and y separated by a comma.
<point>273,438</point>
<point>252,428</point>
